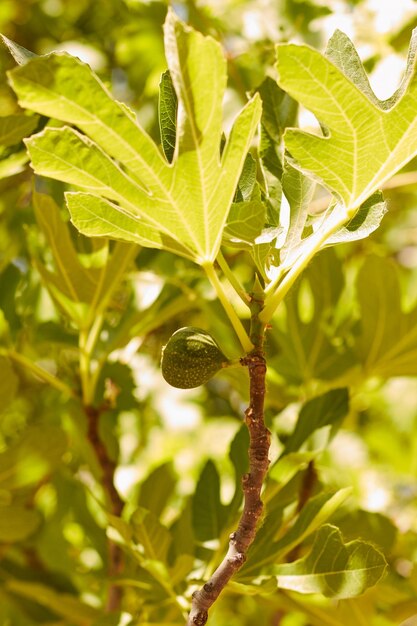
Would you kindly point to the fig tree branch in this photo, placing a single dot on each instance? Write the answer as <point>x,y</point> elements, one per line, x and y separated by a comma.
<point>242,538</point>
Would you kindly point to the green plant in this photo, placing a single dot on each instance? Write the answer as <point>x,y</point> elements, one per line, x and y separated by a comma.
<point>212,200</point>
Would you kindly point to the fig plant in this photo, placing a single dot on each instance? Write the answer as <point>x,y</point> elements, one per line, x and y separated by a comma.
<point>205,197</point>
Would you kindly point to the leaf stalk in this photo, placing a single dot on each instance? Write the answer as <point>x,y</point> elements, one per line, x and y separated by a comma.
<point>244,339</point>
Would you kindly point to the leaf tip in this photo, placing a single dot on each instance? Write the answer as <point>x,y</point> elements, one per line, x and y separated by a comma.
<point>20,54</point>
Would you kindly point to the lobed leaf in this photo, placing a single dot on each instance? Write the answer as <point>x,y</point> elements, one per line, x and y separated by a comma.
<point>134,193</point>
<point>366,140</point>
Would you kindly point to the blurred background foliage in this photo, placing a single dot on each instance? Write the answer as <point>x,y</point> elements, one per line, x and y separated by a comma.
<point>349,322</point>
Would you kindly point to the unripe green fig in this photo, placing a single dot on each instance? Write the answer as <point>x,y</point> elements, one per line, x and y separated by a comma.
<point>191,357</point>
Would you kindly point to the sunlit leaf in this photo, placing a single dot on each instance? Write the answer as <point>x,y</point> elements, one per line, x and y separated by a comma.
<point>289,465</point>
<point>187,202</point>
<point>367,140</point>
<point>335,569</point>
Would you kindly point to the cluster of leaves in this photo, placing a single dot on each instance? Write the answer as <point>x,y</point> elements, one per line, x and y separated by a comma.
<point>70,305</point>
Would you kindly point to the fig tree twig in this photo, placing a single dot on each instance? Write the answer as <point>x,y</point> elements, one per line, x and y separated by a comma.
<point>252,482</point>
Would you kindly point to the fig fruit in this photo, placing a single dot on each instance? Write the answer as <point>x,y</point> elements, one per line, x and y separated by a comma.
<point>191,357</point>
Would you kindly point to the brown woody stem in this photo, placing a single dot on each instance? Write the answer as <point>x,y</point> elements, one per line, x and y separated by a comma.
<point>252,482</point>
<point>116,503</point>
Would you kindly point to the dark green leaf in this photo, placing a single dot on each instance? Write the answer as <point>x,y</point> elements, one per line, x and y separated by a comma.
<point>208,511</point>
<point>326,410</point>
<point>168,105</point>
<point>279,110</point>
<point>157,488</point>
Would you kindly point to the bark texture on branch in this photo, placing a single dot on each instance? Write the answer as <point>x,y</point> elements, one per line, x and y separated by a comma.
<point>252,482</point>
